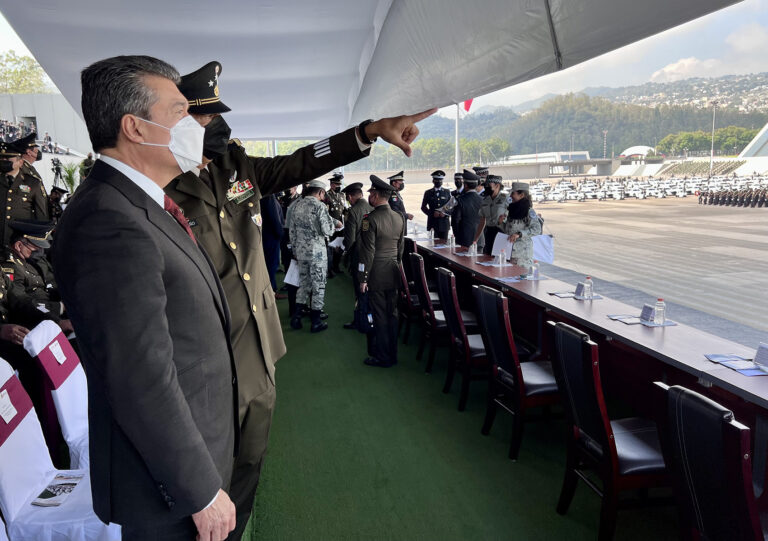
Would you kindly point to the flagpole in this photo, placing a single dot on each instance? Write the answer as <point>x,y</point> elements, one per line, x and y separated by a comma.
<point>456,137</point>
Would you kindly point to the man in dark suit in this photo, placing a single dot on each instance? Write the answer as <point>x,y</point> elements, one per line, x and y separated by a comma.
<point>467,211</point>
<point>150,315</point>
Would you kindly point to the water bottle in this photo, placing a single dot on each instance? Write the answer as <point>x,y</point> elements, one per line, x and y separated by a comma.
<point>588,288</point>
<point>431,236</point>
<point>473,250</point>
<point>503,259</point>
<point>452,242</point>
<point>535,271</point>
<point>660,312</point>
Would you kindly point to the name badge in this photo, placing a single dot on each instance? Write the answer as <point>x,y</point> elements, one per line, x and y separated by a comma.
<point>256,218</point>
<point>7,410</point>
<point>24,188</point>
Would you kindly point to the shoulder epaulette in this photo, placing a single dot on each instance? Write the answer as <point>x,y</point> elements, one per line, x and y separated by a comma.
<point>236,142</point>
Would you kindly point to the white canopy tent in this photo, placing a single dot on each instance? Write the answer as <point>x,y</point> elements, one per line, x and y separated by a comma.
<point>307,69</point>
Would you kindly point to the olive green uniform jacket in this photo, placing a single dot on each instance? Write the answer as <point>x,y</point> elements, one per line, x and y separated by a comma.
<point>352,230</point>
<point>381,248</point>
<point>25,199</point>
<point>226,221</point>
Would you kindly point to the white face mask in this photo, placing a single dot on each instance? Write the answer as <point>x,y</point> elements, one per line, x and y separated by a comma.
<point>186,142</point>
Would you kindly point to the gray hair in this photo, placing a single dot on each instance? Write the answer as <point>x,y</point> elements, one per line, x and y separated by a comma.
<point>115,87</point>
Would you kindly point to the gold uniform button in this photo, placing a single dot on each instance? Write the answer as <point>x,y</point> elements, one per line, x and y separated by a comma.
<point>7,217</point>
<point>9,199</point>
<point>233,245</point>
<point>253,307</point>
<point>250,204</point>
<point>9,208</point>
<point>221,214</point>
<point>246,276</point>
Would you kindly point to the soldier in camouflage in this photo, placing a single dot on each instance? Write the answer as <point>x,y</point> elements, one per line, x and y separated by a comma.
<point>309,224</point>
<point>336,208</point>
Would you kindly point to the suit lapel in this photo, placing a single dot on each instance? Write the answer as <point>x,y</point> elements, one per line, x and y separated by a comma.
<point>168,225</point>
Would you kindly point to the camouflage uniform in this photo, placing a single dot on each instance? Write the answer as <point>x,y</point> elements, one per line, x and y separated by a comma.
<point>522,249</point>
<point>309,223</point>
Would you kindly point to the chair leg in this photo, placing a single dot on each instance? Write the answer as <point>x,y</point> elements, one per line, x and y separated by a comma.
<point>608,511</point>
<point>518,423</point>
<point>466,378</point>
<point>407,330</point>
<point>422,341</point>
<point>449,374</point>
<point>432,348</point>
<point>490,410</point>
<point>569,481</point>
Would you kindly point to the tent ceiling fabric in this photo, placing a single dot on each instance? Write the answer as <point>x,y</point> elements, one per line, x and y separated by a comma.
<point>307,69</point>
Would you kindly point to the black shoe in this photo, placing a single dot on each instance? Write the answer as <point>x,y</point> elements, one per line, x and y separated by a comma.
<point>323,315</point>
<point>350,325</point>
<point>304,311</point>
<point>296,318</point>
<point>317,324</point>
<point>371,361</point>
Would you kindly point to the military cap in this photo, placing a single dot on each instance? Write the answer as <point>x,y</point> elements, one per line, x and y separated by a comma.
<point>352,187</point>
<point>520,186</point>
<point>201,88</point>
<point>458,174</point>
<point>397,176</point>
<point>438,174</point>
<point>380,186</point>
<point>494,178</point>
<point>8,151</point>
<point>56,189</point>
<point>318,184</point>
<point>470,178</point>
<point>38,233</point>
<point>336,178</point>
<point>480,169</point>
<point>28,141</point>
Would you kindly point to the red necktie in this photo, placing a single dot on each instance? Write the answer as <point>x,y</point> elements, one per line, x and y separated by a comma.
<point>173,209</point>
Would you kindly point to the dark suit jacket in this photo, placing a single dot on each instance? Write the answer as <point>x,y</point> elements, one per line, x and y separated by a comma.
<point>153,331</point>
<point>467,214</point>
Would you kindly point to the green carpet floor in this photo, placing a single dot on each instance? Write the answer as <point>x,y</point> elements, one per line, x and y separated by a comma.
<point>382,454</point>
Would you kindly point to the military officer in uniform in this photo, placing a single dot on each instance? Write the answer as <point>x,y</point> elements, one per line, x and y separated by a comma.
<point>492,213</point>
<point>30,154</point>
<point>336,208</point>
<point>310,224</point>
<point>434,199</point>
<point>397,183</point>
<point>222,208</point>
<point>380,253</point>
<point>25,195</point>
<point>54,203</point>
<point>358,207</point>
<point>467,211</point>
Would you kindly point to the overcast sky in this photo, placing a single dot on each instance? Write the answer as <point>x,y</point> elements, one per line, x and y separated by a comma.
<point>731,41</point>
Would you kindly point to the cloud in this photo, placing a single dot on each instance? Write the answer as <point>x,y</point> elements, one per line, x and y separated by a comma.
<point>744,54</point>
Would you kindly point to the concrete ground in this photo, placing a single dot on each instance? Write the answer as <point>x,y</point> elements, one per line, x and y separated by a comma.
<point>710,264</point>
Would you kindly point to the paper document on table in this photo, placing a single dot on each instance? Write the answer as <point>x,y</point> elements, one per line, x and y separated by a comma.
<point>501,242</point>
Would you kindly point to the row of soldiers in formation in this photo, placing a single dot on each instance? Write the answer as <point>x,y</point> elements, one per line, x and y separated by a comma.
<point>748,197</point>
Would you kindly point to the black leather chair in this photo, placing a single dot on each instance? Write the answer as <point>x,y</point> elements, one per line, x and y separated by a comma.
<point>624,453</point>
<point>710,463</point>
<point>408,309</point>
<point>467,350</point>
<point>514,386</point>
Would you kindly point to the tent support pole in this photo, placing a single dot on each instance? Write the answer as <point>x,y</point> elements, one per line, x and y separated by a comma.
<point>558,54</point>
<point>456,141</point>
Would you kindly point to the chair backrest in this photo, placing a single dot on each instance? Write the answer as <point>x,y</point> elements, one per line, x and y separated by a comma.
<point>408,249</point>
<point>709,456</point>
<point>449,303</point>
<point>26,463</point>
<point>577,372</point>
<point>493,315</point>
<point>421,287</point>
<point>65,378</point>
<point>405,291</point>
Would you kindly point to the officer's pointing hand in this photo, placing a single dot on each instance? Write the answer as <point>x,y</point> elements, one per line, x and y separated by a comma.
<point>400,131</point>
